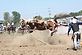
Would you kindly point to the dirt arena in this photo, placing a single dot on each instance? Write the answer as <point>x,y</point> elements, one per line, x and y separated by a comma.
<point>37,43</point>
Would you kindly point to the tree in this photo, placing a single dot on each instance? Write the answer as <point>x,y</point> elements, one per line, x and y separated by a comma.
<point>61,15</point>
<point>16,17</point>
<point>80,12</point>
<point>73,14</point>
<point>37,17</point>
<point>6,17</point>
<point>47,18</point>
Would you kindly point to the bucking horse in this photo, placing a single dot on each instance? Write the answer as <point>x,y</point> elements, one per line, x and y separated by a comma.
<point>52,25</point>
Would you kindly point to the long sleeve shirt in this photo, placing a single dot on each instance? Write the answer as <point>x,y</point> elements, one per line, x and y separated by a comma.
<point>74,27</point>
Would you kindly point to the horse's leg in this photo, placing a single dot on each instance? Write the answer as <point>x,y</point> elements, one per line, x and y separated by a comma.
<point>9,30</point>
<point>12,28</point>
<point>50,31</point>
<point>53,30</point>
<point>22,30</point>
<point>78,39</point>
<point>75,41</point>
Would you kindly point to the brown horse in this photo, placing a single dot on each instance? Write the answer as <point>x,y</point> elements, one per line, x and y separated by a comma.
<point>52,25</point>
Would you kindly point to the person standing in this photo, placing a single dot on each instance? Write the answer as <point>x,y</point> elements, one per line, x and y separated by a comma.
<point>74,25</point>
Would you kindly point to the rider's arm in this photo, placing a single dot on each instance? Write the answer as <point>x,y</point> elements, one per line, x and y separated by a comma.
<point>69,29</point>
<point>80,23</point>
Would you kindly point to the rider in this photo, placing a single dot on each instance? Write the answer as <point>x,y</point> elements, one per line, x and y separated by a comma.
<point>22,23</point>
<point>8,24</point>
<point>12,24</point>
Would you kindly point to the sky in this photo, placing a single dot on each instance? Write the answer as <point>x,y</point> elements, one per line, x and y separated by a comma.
<point>30,8</point>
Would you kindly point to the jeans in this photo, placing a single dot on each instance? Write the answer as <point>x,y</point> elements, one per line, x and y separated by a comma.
<point>76,42</point>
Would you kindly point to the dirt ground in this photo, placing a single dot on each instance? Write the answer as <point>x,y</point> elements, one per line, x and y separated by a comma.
<point>36,43</point>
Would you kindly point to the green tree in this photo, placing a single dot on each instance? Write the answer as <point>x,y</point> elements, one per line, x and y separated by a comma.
<point>73,14</point>
<point>47,18</point>
<point>76,13</point>
<point>6,17</point>
<point>37,17</point>
<point>16,17</point>
<point>61,15</point>
<point>80,12</point>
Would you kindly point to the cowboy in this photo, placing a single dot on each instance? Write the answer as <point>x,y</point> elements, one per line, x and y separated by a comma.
<point>74,25</point>
<point>8,24</point>
<point>22,23</point>
<point>12,24</point>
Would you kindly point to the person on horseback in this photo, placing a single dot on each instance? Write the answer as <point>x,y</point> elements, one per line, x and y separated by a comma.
<point>23,24</point>
<point>74,25</point>
<point>12,26</point>
<point>8,24</point>
<point>8,27</point>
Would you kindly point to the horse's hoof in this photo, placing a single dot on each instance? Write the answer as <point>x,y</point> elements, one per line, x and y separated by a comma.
<point>30,31</point>
<point>52,34</point>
